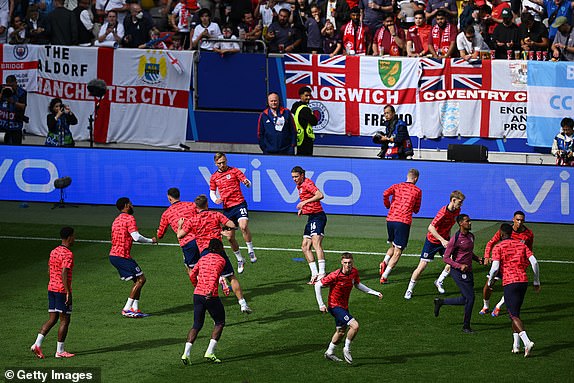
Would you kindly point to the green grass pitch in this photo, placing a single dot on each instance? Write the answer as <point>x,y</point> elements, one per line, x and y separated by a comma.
<point>285,337</point>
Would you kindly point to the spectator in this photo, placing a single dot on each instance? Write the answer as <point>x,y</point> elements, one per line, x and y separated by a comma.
<point>442,41</point>
<point>389,39</point>
<point>238,9</point>
<point>470,43</point>
<point>407,10</point>
<point>495,17</point>
<point>418,36</point>
<point>155,42</point>
<point>180,20</point>
<point>159,15</point>
<point>466,16</point>
<point>332,44</point>
<point>356,35</point>
<point>176,43</point>
<point>85,21</point>
<point>20,8</point>
<point>275,128</point>
<point>17,32</point>
<point>447,6</point>
<point>373,12</point>
<point>112,32</point>
<point>563,145</point>
<point>505,36</point>
<point>225,47</point>
<point>120,6</point>
<point>205,30</point>
<point>61,26</point>
<point>563,46</point>
<point>281,36</point>
<point>59,121</point>
<point>266,12</point>
<point>12,110</point>
<point>536,10</point>
<point>554,10</point>
<point>252,31</point>
<point>313,32</point>
<point>533,34</point>
<point>136,27</point>
<point>44,6</point>
<point>317,15</point>
<point>395,141</point>
<point>36,30</point>
<point>336,11</point>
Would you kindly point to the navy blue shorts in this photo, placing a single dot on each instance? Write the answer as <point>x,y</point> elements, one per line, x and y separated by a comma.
<point>342,316</point>
<point>398,234</point>
<point>212,305</point>
<point>237,212</point>
<point>316,223</point>
<point>190,253</point>
<point>127,267</point>
<point>430,249</point>
<point>514,297</point>
<point>228,269</point>
<point>57,303</point>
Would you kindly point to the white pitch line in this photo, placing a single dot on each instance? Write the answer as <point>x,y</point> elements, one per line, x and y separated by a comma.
<point>256,248</point>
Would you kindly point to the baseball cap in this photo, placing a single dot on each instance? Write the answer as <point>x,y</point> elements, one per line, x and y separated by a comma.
<point>560,20</point>
<point>506,12</point>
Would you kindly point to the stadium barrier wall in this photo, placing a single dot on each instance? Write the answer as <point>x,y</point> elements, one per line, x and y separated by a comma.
<point>350,186</point>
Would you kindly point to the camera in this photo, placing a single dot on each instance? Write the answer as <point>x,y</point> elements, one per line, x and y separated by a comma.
<point>7,91</point>
<point>377,138</point>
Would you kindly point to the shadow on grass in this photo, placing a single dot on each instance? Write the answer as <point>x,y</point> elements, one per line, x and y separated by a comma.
<point>549,308</point>
<point>403,358</point>
<point>282,315</point>
<point>187,308</point>
<point>551,349</point>
<point>134,346</point>
<point>291,350</point>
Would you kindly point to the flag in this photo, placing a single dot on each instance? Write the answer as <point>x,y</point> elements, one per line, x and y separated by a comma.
<point>21,61</point>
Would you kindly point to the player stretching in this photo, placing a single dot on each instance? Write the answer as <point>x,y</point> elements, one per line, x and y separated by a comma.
<point>227,181</point>
<point>437,240</point>
<point>513,257</point>
<point>340,283</point>
<point>60,267</point>
<point>310,206</point>
<point>124,232</point>
<point>406,200</point>
<point>205,226</point>
<point>170,217</point>
<point>520,233</point>
<point>204,276</point>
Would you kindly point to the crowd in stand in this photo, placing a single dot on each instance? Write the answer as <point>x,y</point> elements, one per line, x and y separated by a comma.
<point>519,29</point>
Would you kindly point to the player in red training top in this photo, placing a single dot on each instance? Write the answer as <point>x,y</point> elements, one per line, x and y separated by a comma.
<point>340,283</point>
<point>60,265</point>
<point>520,233</point>
<point>124,232</point>
<point>310,206</point>
<point>437,240</point>
<point>205,276</point>
<point>205,226</point>
<point>227,180</point>
<point>177,210</point>
<point>513,257</point>
<point>406,200</point>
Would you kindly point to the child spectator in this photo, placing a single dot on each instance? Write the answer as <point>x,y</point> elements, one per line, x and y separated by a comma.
<point>332,44</point>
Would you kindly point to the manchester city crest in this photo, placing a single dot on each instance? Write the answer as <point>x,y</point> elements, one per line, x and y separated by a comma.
<point>152,70</point>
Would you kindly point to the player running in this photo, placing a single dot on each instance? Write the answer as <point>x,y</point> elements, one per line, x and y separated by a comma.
<point>340,283</point>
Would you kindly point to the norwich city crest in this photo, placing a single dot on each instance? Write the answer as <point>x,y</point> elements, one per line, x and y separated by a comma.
<point>390,72</point>
<point>152,71</point>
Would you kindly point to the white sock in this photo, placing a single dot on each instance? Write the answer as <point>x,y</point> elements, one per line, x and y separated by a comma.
<point>238,255</point>
<point>387,272</point>
<point>313,267</point>
<point>39,340</point>
<point>250,247</point>
<point>524,338</point>
<point>211,347</point>
<point>516,337</point>
<point>60,347</point>
<point>136,305</point>
<point>331,348</point>
<point>242,302</point>
<point>486,303</point>
<point>387,259</point>
<point>442,276</point>
<point>128,304</point>
<point>187,350</point>
<point>321,263</point>
<point>347,343</point>
<point>411,285</point>
<point>499,304</point>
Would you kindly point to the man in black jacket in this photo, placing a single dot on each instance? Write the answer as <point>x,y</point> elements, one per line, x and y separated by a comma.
<point>61,26</point>
<point>137,27</point>
<point>305,120</point>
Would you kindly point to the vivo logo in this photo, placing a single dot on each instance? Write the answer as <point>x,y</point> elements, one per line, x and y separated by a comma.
<point>289,192</point>
<point>532,207</point>
<point>25,164</point>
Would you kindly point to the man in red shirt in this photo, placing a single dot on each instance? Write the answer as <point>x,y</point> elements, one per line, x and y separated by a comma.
<point>227,180</point>
<point>124,233</point>
<point>340,283</point>
<point>179,209</point>
<point>406,200</point>
<point>519,232</point>
<point>513,257</point>
<point>442,39</point>
<point>418,36</point>
<point>205,226</point>
<point>205,276</point>
<point>310,205</point>
<point>389,39</point>
<point>60,265</point>
<point>437,240</point>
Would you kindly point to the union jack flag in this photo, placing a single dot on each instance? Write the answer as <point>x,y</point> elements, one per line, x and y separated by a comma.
<point>319,70</point>
<point>456,73</point>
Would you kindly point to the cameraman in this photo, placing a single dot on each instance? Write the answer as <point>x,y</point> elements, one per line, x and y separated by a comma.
<point>395,140</point>
<point>563,145</point>
<point>59,121</point>
<point>12,109</point>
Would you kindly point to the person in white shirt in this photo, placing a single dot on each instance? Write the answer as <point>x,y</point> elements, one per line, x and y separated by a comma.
<point>469,43</point>
<point>111,31</point>
<point>205,30</point>
<point>227,47</point>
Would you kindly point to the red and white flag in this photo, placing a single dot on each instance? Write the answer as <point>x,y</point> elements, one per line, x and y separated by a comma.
<point>21,61</point>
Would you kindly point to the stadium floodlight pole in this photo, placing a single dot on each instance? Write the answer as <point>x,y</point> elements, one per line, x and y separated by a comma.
<point>96,88</point>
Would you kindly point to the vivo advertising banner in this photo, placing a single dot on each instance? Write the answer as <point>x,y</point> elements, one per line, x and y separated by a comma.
<point>350,186</point>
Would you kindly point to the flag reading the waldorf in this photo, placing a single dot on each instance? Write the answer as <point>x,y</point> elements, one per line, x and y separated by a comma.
<point>550,99</point>
<point>349,92</point>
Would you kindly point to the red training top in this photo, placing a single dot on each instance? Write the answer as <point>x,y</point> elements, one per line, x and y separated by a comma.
<point>443,221</point>
<point>170,217</point>
<point>228,183</point>
<point>61,257</point>
<point>340,286</point>
<point>307,190</point>
<point>526,236</point>
<point>513,256</point>
<point>205,274</point>
<point>123,225</point>
<point>406,201</point>
<point>205,226</point>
